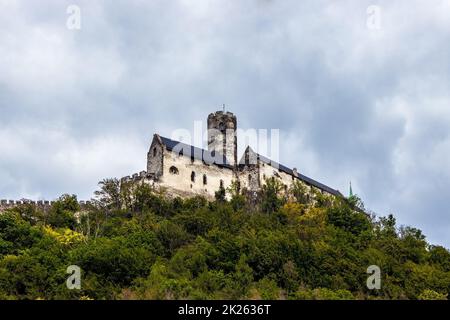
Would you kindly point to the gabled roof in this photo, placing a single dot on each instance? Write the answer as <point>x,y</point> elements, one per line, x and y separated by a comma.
<point>220,160</point>
<point>289,171</point>
<point>196,153</point>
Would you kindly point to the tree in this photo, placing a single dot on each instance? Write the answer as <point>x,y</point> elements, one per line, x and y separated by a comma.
<point>109,195</point>
<point>220,194</point>
<point>270,195</point>
<point>299,192</point>
<point>432,295</point>
<point>62,212</point>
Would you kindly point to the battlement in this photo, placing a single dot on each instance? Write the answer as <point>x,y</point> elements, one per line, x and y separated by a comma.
<point>41,204</point>
<point>222,113</point>
<point>137,177</point>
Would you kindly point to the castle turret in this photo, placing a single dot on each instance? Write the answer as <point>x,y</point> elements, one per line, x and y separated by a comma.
<point>222,137</point>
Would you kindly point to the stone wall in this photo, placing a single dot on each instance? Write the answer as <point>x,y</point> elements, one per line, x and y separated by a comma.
<point>179,171</point>
<point>267,171</point>
<point>155,158</point>
<point>222,135</point>
<point>44,205</point>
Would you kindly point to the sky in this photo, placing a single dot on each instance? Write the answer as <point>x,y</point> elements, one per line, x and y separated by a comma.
<point>360,91</point>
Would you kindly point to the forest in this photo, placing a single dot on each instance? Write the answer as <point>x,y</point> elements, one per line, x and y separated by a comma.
<point>133,242</point>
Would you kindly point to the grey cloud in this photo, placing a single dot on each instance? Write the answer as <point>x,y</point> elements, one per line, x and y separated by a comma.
<point>351,103</point>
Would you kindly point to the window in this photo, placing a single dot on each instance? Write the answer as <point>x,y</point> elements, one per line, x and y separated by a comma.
<point>193,176</point>
<point>154,151</point>
<point>174,170</point>
<point>249,179</point>
<point>205,180</point>
<point>221,184</point>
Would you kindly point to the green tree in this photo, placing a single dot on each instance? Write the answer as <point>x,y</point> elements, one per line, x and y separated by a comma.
<point>62,212</point>
<point>271,200</point>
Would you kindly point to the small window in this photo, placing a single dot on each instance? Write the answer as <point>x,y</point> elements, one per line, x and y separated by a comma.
<point>154,151</point>
<point>205,180</point>
<point>174,170</point>
<point>249,179</point>
<point>193,176</point>
<point>221,184</point>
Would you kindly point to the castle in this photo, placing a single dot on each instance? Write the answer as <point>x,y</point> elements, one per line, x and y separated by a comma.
<point>184,170</point>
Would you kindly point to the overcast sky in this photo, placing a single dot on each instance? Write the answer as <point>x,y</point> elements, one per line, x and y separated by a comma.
<point>356,95</point>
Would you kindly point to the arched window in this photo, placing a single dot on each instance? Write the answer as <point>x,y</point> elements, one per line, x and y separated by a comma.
<point>154,151</point>
<point>193,176</point>
<point>174,170</point>
<point>249,179</point>
<point>205,180</point>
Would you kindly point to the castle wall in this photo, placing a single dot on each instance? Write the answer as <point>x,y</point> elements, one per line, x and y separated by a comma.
<point>43,205</point>
<point>155,159</point>
<point>180,178</point>
<point>267,171</point>
<point>249,178</point>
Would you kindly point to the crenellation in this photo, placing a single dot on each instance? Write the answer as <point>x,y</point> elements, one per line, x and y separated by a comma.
<point>41,204</point>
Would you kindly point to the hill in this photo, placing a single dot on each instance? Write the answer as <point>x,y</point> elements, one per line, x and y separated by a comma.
<point>135,243</point>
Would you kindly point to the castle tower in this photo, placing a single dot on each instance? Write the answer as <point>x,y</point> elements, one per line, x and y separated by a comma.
<point>222,137</point>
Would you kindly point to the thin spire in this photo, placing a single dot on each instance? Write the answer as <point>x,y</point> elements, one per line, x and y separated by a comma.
<point>350,191</point>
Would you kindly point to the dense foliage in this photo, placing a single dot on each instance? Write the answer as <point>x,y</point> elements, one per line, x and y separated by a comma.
<point>135,243</point>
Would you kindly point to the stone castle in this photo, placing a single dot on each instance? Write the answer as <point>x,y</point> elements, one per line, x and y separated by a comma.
<point>184,170</point>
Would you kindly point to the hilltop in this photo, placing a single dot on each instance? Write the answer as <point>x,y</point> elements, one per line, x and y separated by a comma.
<point>136,243</point>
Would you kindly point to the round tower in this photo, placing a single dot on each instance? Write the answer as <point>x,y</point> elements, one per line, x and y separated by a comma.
<point>222,135</point>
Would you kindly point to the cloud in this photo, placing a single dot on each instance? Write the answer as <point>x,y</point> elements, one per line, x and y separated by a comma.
<point>371,106</point>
